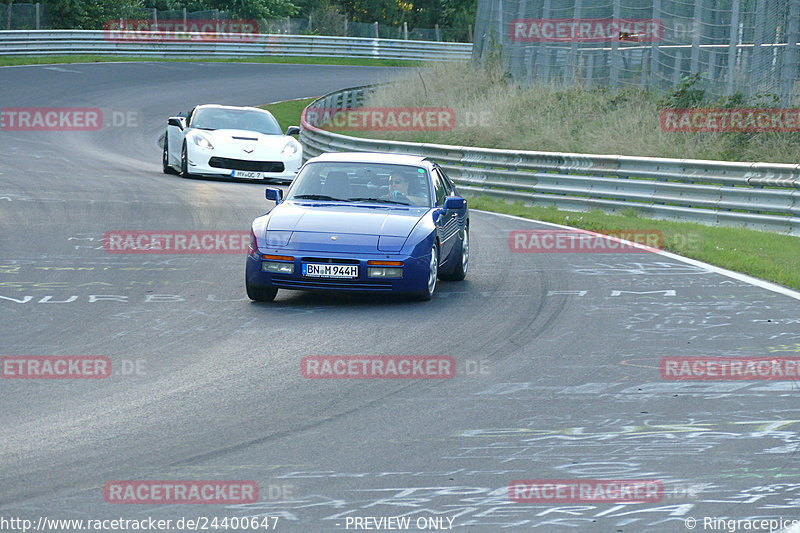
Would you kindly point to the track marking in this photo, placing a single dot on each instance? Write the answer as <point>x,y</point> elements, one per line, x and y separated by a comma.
<point>774,287</point>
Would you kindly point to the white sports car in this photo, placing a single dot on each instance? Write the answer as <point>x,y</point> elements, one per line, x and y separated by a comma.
<point>228,141</point>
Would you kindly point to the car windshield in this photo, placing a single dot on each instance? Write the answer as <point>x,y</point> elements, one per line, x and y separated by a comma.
<point>374,183</point>
<point>215,118</point>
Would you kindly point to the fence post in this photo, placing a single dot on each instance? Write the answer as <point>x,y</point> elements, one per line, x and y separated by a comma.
<point>790,53</point>
<point>375,25</point>
<point>645,63</point>
<point>676,71</point>
<point>734,32</point>
<point>654,50</point>
<point>405,30</point>
<point>758,40</point>
<point>309,23</point>
<point>37,15</point>
<point>698,24</point>
<point>345,26</point>
<point>436,32</point>
<point>155,17</point>
<point>184,17</point>
<point>518,64</point>
<point>469,33</point>
<point>288,25</point>
<point>613,79</point>
<point>573,46</point>
<point>544,51</point>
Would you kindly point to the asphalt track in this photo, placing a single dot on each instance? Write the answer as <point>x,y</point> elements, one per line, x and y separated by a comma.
<point>557,355</point>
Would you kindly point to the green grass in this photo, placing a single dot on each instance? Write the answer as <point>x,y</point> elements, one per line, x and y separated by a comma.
<point>357,61</point>
<point>765,255</point>
<point>288,113</point>
<point>493,112</point>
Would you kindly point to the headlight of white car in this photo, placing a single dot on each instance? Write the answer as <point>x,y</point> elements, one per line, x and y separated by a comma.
<point>202,142</point>
<point>290,148</point>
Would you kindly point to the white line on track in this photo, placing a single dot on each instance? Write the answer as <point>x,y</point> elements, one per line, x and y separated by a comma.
<point>774,287</point>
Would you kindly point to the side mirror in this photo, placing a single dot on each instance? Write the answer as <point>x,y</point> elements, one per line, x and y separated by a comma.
<point>276,195</point>
<point>293,130</point>
<point>178,122</point>
<point>454,203</point>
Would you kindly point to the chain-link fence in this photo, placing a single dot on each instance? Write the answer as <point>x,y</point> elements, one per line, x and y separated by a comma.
<point>34,16</point>
<point>746,46</point>
<point>24,17</point>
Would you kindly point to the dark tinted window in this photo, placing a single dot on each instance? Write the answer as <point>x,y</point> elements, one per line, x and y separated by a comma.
<point>438,185</point>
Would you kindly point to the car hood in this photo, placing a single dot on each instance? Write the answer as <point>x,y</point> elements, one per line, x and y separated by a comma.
<point>342,219</point>
<point>234,139</point>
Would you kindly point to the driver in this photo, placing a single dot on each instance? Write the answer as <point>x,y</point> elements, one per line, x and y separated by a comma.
<point>398,187</point>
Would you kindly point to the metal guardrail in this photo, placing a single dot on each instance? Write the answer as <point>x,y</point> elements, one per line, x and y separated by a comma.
<point>67,42</point>
<point>761,196</point>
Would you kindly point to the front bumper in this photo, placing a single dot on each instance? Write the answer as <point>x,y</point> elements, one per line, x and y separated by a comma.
<point>207,163</point>
<point>415,273</point>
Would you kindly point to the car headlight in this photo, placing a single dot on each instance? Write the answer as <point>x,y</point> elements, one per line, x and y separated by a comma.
<point>202,142</point>
<point>289,149</point>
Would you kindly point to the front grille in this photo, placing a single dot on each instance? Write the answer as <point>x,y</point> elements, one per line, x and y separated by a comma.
<point>328,260</point>
<point>328,284</point>
<point>241,164</point>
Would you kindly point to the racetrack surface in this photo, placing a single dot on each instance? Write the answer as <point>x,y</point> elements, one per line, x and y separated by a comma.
<point>557,355</point>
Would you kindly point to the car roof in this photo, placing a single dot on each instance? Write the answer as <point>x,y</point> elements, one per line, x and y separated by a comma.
<point>219,106</point>
<point>374,157</point>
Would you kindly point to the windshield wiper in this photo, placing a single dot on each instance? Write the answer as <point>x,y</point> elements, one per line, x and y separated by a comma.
<point>315,197</point>
<point>378,200</point>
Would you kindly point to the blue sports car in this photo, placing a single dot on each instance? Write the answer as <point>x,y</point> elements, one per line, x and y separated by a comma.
<point>361,222</point>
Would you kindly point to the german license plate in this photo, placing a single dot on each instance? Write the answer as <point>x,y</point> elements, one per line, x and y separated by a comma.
<point>244,174</point>
<point>314,270</point>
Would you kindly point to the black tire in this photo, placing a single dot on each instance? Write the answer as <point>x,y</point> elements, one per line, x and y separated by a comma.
<point>433,274</point>
<point>165,158</point>
<point>260,294</point>
<point>185,162</point>
<point>460,271</point>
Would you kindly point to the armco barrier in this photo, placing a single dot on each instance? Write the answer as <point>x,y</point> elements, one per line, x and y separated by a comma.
<point>67,42</point>
<point>762,196</point>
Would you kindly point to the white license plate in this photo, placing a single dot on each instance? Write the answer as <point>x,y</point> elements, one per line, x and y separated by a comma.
<point>314,270</point>
<point>244,174</point>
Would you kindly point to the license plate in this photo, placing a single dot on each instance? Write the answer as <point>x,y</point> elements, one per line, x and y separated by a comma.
<point>246,175</point>
<point>314,270</point>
